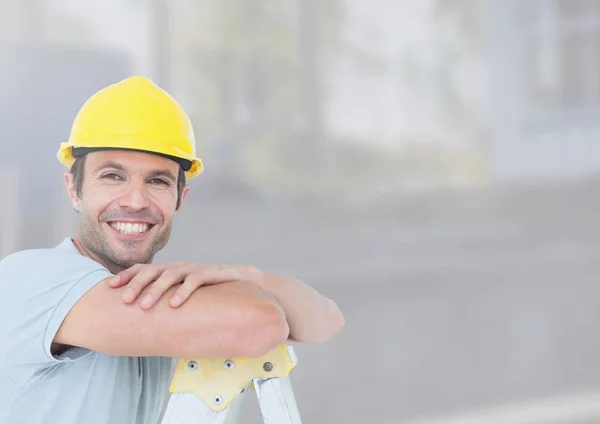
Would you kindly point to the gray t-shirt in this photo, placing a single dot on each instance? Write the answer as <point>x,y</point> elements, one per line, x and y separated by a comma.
<point>38,287</point>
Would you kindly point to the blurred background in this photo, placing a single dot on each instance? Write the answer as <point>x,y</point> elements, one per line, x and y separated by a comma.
<point>432,165</point>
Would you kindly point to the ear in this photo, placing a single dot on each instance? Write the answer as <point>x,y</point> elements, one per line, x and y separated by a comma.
<point>184,194</point>
<point>72,191</point>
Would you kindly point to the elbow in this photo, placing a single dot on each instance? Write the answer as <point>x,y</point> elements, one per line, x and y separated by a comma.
<point>267,330</point>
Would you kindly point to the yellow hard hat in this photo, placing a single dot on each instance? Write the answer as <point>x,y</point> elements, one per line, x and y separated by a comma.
<point>133,114</point>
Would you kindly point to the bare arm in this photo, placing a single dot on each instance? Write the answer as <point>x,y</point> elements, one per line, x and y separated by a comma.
<point>223,320</point>
<point>311,316</point>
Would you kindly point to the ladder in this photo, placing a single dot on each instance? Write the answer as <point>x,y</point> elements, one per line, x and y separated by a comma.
<point>212,390</point>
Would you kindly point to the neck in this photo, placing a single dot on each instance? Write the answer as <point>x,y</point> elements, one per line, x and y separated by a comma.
<point>114,268</point>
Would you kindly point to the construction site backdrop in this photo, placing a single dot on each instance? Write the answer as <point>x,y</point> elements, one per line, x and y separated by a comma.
<point>432,165</point>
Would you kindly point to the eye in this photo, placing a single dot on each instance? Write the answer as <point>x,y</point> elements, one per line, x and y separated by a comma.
<point>159,181</point>
<point>111,176</point>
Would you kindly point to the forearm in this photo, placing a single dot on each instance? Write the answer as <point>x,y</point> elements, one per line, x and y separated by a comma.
<point>311,316</point>
<point>228,319</point>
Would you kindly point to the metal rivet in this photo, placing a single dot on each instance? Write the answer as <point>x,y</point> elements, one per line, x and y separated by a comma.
<point>229,364</point>
<point>268,366</point>
<point>192,365</point>
<point>217,399</point>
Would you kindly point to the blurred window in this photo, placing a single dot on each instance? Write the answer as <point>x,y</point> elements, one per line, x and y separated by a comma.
<point>560,54</point>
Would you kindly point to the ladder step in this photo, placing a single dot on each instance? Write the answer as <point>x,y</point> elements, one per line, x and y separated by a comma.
<point>212,390</point>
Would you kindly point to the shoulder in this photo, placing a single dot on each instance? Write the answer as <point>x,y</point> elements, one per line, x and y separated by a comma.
<point>26,259</point>
<point>64,249</point>
<point>38,288</point>
<point>27,266</point>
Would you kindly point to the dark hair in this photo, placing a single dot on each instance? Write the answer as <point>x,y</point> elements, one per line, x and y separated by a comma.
<point>77,171</point>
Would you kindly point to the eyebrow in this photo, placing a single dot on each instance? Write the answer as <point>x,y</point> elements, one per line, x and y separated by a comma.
<point>154,173</point>
<point>163,173</point>
<point>110,164</point>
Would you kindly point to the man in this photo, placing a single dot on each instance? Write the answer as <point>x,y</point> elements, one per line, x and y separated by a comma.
<point>89,329</point>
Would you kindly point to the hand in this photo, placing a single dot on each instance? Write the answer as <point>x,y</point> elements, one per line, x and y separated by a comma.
<point>191,276</point>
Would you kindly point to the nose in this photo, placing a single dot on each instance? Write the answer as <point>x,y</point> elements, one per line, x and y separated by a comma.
<point>135,197</point>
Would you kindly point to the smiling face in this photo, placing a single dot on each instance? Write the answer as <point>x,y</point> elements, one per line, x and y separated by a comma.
<point>126,206</point>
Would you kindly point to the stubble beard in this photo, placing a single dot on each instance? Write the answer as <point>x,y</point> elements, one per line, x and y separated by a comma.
<point>95,242</point>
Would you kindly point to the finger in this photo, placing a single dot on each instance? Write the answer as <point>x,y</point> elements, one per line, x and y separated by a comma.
<point>189,286</point>
<point>126,275</point>
<point>205,276</point>
<point>169,277</point>
<point>137,284</point>
<point>116,281</point>
<point>215,274</point>
<point>248,272</point>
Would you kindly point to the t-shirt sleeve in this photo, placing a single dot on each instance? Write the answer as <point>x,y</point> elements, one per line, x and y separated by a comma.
<point>38,288</point>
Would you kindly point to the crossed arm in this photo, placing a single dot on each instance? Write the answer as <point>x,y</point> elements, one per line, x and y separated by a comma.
<point>186,309</point>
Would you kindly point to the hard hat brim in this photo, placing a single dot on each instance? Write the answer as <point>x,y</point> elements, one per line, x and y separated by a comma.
<point>68,153</point>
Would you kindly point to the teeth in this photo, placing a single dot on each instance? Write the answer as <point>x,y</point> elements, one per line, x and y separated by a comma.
<point>129,228</point>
